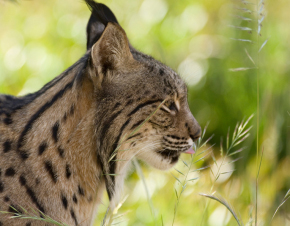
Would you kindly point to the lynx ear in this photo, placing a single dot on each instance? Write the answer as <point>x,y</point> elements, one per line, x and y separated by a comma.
<point>100,17</point>
<point>112,50</point>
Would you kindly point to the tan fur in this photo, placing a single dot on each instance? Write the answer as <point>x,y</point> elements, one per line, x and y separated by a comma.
<point>113,88</point>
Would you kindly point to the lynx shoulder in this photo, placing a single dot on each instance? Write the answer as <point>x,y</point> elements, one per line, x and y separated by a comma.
<point>60,147</point>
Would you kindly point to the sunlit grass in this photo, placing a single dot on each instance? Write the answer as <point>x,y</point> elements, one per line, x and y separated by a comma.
<point>184,178</point>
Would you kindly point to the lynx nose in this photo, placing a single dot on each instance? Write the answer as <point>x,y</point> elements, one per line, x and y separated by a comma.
<point>194,129</point>
<point>196,135</point>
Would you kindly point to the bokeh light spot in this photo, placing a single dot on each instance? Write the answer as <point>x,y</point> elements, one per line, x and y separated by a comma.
<point>191,71</point>
<point>14,58</point>
<point>153,11</point>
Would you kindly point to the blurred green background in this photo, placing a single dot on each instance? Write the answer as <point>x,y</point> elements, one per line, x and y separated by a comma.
<point>39,39</point>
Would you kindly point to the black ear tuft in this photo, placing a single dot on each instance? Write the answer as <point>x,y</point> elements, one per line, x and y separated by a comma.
<point>100,17</point>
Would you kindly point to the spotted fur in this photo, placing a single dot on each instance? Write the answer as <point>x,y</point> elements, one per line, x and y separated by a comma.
<point>60,146</point>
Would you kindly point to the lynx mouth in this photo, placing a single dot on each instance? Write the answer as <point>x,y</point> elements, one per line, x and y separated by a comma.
<point>190,151</point>
<point>173,155</point>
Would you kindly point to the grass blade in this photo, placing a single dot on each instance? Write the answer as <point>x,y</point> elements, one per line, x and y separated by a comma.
<point>251,59</point>
<point>140,174</point>
<point>243,18</point>
<point>209,148</point>
<point>204,143</point>
<point>286,197</point>
<point>228,172</point>
<point>105,217</point>
<point>242,40</point>
<point>242,28</point>
<point>261,20</point>
<point>179,171</point>
<point>262,46</point>
<point>241,69</point>
<point>199,169</point>
<point>238,151</point>
<point>193,179</point>
<point>213,158</point>
<point>176,193</point>
<point>235,160</point>
<point>185,163</point>
<point>44,218</point>
<point>224,203</point>
<point>176,178</point>
<point>260,163</point>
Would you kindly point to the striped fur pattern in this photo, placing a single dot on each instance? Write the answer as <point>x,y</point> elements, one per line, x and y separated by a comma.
<point>63,146</point>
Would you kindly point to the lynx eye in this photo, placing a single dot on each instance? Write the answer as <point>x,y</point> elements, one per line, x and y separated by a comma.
<point>173,107</point>
<point>170,107</point>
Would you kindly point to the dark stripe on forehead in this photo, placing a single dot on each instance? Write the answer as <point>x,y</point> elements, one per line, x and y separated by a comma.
<point>167,83</point>
<point>143,105</point>
<point>39,113</point>
<point>171,84</point>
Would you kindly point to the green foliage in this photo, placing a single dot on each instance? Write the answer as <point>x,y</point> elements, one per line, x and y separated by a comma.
<point>233,55</point>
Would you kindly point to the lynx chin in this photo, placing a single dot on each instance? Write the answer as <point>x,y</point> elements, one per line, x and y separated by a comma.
<point>62,147</point>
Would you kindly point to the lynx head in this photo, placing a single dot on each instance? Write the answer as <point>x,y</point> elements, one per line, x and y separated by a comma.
<point>141,103</point>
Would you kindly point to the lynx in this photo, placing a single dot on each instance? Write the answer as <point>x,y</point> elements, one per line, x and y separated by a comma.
<point>60,147</point>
